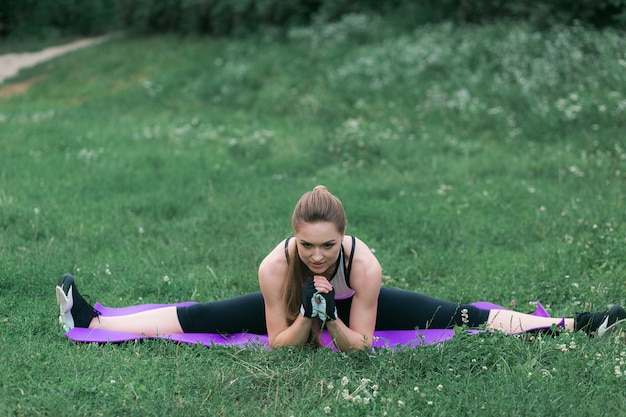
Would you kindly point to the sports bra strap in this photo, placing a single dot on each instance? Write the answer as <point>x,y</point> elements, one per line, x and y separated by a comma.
<point>348,268</point>
<point>287,249</point>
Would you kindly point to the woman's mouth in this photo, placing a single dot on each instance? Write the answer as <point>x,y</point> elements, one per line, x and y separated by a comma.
<point>318,265</point>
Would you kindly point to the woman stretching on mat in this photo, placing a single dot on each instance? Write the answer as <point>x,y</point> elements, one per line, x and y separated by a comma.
<point>320,278</point>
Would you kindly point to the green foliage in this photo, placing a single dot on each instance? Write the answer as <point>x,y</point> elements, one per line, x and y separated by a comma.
<point>479,163</point>
<point>542,13</point>
<point>237,17</point>
<point>35,18</point>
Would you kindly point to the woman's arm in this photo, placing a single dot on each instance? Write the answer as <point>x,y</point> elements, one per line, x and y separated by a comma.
<point>272,275</point>
<point>365,280</point>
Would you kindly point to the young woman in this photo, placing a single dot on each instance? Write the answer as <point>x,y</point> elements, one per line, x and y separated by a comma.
<point>320,277</point>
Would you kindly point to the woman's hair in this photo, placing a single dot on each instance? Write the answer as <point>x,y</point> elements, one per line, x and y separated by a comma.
<point>318,205</point>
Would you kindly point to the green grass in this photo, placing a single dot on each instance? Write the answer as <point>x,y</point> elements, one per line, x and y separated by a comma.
<point>481,163</point>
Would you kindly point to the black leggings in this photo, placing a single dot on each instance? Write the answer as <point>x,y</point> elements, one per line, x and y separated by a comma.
<point>397,310</point>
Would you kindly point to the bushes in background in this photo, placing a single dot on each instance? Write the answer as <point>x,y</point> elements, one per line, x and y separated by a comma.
<point>68,17</point>
<point>227,17</point>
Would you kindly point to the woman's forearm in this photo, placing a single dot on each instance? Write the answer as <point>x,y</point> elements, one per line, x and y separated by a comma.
<point>295,335</point>
<point>346,339</point>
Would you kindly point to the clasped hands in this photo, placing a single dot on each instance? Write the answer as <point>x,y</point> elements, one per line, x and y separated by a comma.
<point>318,301</point>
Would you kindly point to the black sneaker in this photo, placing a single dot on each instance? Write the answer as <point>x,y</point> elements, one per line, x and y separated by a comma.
<point>74,310</point>
<point>600,324</point>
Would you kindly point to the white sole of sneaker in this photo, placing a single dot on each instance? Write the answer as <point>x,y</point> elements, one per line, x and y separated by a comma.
<point>604,332</point>
<point>65,307</point>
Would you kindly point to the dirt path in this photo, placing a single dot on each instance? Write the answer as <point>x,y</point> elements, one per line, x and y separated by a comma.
<point>11,64</point>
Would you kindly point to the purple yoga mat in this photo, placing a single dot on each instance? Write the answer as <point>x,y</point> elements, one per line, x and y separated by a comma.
<point>382,338</point>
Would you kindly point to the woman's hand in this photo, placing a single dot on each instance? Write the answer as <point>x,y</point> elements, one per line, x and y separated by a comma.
<point>318,299</point>
<point>325,298</point>
<point>322,284</point>
<point>308,292</point>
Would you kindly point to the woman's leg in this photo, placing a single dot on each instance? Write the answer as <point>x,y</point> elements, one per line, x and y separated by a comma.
<point>159,321</point>
<point>236,315</point>
<point>403,310</point>
<point>398,309</point>
<point>512,322</point>
<point>243,314</point>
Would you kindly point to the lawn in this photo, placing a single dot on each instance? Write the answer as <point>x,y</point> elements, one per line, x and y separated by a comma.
<point>479,163</point>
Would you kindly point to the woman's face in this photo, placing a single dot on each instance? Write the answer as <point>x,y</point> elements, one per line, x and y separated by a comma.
<point>319,244</point>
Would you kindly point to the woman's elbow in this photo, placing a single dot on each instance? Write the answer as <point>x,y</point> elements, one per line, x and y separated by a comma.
<point>276,343</point>
<point>364,343</point>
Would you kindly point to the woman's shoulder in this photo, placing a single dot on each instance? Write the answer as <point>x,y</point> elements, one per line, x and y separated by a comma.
<point>365,273</point>
<point>363,259</point>
<point>352,244</point>
<point>275,261</point>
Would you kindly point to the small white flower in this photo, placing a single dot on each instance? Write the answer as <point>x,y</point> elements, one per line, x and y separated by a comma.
<point>618,372</point>
<point>444,189</point>
<point>439,387</point>
<point>344,381</point>
<point>327,409</point>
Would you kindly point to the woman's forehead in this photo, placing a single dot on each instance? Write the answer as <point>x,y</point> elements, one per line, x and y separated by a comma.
<point>318,232</point>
